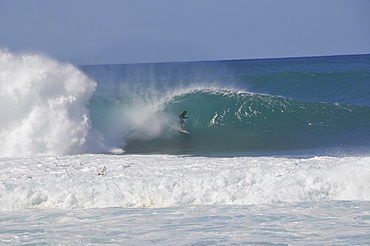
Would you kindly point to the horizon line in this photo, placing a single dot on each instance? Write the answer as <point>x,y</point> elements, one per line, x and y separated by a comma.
<point>222,60</point>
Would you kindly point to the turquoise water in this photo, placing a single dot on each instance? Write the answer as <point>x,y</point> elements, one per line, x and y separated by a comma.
<point>277,155</point>
<point>244,106</point>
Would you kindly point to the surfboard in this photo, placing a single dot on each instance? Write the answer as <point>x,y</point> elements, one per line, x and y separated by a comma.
<point>179,129</point>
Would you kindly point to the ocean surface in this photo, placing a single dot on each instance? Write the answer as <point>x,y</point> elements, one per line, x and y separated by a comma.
<point>278,152</point>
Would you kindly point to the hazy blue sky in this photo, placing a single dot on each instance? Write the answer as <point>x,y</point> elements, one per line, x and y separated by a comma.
<point>119,31</point>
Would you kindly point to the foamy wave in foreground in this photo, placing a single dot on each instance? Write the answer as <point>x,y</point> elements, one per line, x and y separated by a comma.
<point>167,181</point>
<point>43,107</point>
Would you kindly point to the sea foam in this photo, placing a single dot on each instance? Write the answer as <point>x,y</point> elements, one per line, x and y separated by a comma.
<point>137,181</point>
<point>43,107</point>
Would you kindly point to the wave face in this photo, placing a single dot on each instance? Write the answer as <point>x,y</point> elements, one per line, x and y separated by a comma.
<point>229,121</point>
<point>235,106</point>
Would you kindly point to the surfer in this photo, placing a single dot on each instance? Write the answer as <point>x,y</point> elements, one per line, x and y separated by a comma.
<point>181,119</point>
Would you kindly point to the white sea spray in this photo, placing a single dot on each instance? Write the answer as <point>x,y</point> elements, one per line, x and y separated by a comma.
<point>43,107</point>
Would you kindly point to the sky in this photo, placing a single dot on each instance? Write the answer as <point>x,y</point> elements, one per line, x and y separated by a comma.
<point>137,31</point>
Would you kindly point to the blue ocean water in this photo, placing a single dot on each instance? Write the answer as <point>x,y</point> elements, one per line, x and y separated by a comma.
<point>278,152</point>
<point>244,106</point>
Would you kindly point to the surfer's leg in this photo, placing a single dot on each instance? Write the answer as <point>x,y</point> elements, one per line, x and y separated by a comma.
<point>182,125</point>
<point>181,122</point>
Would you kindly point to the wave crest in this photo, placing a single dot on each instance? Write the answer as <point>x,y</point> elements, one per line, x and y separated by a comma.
<point>222,120</point>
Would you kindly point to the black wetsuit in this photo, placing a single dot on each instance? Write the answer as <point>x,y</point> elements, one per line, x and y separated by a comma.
<point>181,119</point>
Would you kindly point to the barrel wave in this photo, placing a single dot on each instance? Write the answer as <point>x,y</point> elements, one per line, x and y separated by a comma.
<point>223,120</point>
<point>247,106</point>
<point>251,106</point>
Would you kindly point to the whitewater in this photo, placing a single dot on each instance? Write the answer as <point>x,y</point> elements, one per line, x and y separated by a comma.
<point>278,152</point>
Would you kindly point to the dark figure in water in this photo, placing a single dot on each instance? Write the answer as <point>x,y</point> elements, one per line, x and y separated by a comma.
<point>181,119</point>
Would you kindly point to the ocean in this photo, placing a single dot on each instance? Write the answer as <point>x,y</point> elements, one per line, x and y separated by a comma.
<point>278,152</point>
